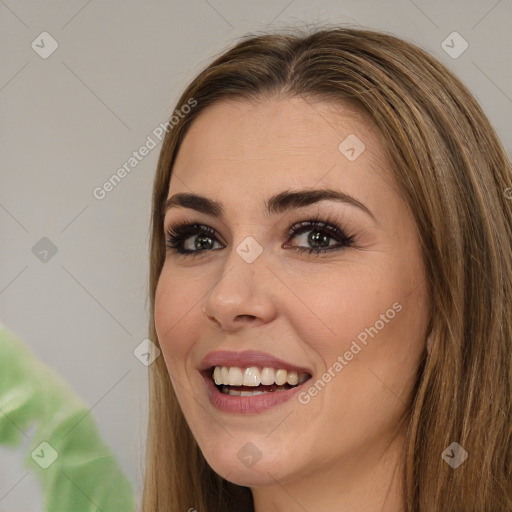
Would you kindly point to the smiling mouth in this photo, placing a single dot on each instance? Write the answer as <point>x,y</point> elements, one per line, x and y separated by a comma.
<point>252,381</point>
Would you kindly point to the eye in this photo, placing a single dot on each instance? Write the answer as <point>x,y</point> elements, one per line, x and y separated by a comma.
<point>187,239</point>
<point>320,234</point>
<point>190,239</point>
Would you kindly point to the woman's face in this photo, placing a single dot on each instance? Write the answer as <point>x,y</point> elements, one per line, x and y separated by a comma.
<point>351,319</point>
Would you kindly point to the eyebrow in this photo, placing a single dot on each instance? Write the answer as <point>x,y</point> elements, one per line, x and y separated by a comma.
<point>278,203</point>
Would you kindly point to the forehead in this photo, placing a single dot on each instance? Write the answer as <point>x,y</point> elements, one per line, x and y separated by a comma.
<point>273,144</point>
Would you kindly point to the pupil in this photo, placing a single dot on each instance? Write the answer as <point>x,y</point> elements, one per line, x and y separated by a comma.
<point>315,236</point>
<point>202,242</point>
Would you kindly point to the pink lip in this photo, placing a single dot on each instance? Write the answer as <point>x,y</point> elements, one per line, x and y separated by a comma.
<point>247,358</point>
<point>247,404</point>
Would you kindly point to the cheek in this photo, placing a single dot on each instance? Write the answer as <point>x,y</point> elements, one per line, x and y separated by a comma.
<point>376,323</point>
<point>174,315</point>
<point>338,307</point>
<point>375,320</point>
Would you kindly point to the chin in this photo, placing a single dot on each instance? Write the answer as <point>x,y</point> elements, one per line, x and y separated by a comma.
<point>243,461</point>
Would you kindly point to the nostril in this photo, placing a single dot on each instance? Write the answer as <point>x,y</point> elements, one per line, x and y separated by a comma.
<point>214,320</point>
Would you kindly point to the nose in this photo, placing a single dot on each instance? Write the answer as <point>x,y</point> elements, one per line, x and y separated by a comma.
<point>241,295</point>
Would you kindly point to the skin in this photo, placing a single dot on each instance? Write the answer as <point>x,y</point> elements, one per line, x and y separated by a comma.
<point>341,451</point>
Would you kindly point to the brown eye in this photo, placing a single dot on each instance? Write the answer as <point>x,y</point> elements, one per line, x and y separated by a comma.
<point>202,238</point>
<point>319,237</point>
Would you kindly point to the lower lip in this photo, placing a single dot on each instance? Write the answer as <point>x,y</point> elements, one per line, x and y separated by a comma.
<point>248,404</point>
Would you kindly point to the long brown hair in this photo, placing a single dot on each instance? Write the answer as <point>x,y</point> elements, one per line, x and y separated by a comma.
<point>457,181</point>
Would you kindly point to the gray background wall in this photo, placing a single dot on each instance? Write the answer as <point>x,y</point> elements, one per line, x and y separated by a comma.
<point>70,120</point>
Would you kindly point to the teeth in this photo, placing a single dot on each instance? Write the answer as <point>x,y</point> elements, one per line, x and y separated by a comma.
<point>253,376</point>
<point>235,377</point>
<point>292,378</point>
<point>281,376</point>
<point>267,376</point>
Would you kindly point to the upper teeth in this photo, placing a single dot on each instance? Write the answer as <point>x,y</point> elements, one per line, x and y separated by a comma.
<point>253,376</point>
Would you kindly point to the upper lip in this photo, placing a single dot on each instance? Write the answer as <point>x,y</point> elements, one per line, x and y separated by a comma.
<point>246,359</point>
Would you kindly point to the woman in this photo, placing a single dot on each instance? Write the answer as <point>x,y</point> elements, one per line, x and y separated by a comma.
<point>331,286</point>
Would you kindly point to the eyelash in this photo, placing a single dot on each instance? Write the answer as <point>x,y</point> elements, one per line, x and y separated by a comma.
<point>182,230</point>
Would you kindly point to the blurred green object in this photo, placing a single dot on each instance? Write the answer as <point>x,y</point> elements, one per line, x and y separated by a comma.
<point>77,470</point>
